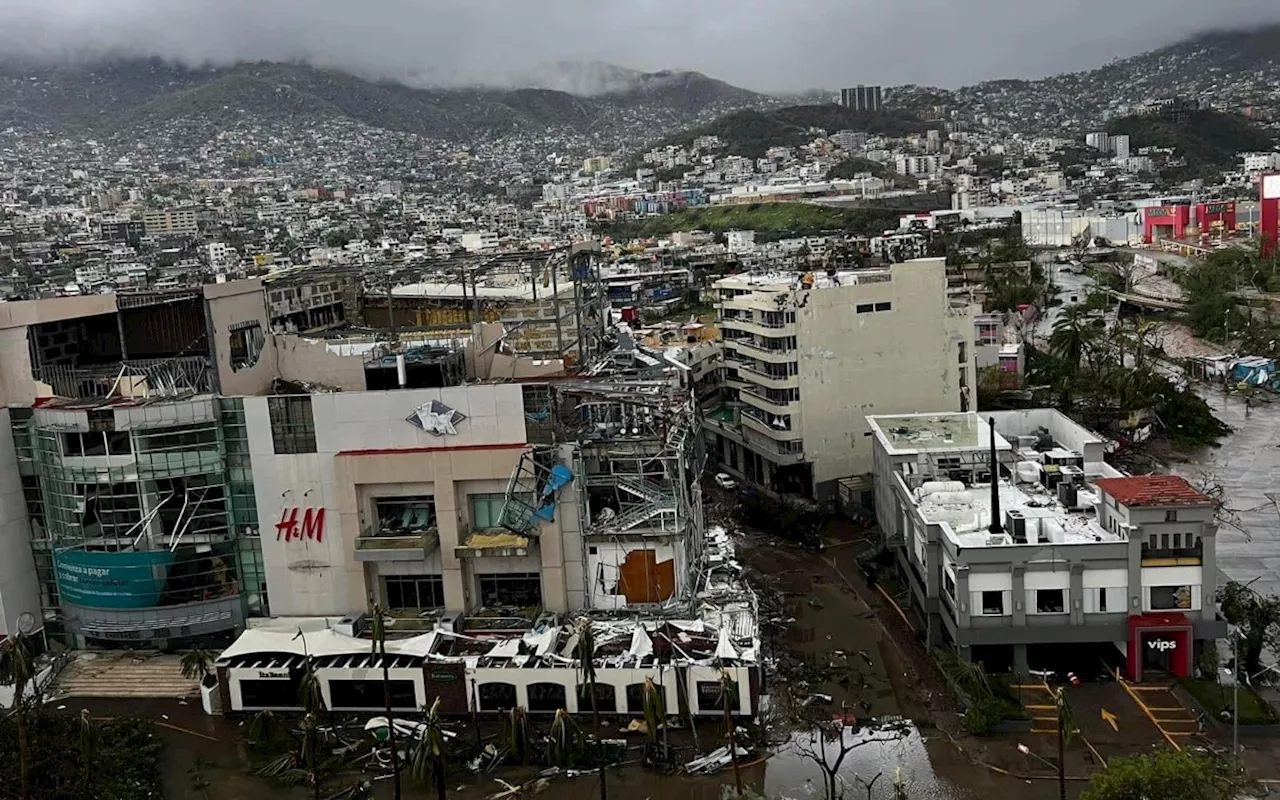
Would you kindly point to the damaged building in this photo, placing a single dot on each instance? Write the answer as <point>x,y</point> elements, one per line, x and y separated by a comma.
<point>219,473</point>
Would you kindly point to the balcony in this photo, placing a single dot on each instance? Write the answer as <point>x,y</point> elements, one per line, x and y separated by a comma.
<point>772,431</point>
<point>770,354</point>
<point>1172,556</point>
<point>754,396</point>
<point>752,375</point>
<point>758,328</point>
<point>372,545</point>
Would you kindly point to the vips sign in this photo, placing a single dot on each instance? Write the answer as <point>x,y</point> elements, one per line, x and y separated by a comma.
<point>112,580</point>
<point>1162,645</point>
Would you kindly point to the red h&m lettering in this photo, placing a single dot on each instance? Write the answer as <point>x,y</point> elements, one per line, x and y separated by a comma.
<point>312,525</point>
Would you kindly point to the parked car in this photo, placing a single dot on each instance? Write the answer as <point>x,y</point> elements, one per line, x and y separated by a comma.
<point>725,481</point>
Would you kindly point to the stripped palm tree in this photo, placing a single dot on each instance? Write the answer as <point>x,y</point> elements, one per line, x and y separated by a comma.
<point>427,753</point>
<point>729,693</point>
<point>565,740</point>
<point>585,653</point>
<point>380,650</point>
<point>655,709</point>
<point>518,735</point>
<point>17,669</point>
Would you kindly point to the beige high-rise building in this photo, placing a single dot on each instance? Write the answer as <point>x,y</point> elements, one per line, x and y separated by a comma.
<point>809,357</point>
<point>171,222</point>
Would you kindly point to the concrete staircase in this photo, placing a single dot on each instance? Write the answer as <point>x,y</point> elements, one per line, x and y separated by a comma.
<point>124,675</point>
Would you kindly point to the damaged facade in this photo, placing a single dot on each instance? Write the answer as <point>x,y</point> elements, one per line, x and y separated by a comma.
<point>476,491</point>
<point>1062,561</point>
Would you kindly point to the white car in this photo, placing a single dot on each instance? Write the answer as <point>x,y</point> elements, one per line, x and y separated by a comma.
<point>725,481</point>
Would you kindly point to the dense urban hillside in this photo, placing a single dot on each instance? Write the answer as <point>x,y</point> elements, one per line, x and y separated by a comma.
<point>769,220</point>
<point>750,133</point>
<point>1207,140</point>
<point>1222,69</point>
<point>123,95</point>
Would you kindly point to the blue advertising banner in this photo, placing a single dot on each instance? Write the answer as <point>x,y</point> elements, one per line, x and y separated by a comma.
<point>112,580</point>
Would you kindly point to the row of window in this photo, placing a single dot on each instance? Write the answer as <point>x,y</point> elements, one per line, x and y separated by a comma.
<point>1113,600</point>
<point>410,593</point>
<point>873,308</point>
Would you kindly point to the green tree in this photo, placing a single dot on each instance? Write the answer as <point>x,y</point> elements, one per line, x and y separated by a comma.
<point>1256,616</point>
<point>197,665</point>
<point>1166,775</point>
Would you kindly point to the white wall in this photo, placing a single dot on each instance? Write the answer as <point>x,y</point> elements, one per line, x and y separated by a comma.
<point>19,588</point>
<point>310,578</point>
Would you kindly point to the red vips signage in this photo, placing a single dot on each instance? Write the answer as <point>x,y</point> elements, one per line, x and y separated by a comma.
<point>310,526</point>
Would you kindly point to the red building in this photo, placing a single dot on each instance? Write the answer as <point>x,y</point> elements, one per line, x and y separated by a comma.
<point>1220,215</point>
<point>1269,212</point>
<point>1165,222</point>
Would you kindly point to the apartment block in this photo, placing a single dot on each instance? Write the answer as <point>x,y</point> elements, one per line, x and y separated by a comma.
<point>1025,550</point>
<point>809,357</point>
<point>171,222</point>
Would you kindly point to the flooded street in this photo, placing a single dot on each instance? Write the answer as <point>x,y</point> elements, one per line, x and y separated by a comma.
<point>1246,466</point>
<point>931,769</point>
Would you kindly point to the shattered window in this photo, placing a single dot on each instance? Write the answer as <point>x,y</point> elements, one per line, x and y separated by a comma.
<point>247,341</point>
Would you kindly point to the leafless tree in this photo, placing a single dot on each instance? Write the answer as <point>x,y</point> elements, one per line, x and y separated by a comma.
<point>828,744</point>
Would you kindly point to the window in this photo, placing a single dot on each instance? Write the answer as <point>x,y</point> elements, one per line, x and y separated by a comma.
<point>1171,598</point>
<point>367,695</point>
<point>414,592</point>
<point>1051,601</point>
<point>949,583</point>
<point>247,341</point>
<point>293,428</point>
<point>1102,600</point>
<point>520,589</point>
<point>404,515</point>
<point>496,696</point>
<point>546,696</point>
<point>866,308</point>
<point>964,353</point>
<point>486,511</point>
<point>1171,516</point>
<point>884,306</point>
<point>993,603</point>
<point>711,697</point>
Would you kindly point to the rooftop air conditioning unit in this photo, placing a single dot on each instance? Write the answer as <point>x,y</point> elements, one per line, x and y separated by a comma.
<point>1068,495</point>
<point>1015,524</point>
<point>351,625</point>
<point>450,622</point>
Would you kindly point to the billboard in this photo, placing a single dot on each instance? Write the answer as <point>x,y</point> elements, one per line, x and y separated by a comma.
<point>1217,209</point>
<point>112,580</point>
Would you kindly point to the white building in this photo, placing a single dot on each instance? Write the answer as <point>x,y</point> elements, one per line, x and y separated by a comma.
<point>809,359</point>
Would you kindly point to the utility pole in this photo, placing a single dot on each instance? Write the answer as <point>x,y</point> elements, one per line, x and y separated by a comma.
<point>1062,744</point>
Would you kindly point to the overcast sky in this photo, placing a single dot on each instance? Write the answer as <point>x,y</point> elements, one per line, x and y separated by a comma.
<point>760,44</point>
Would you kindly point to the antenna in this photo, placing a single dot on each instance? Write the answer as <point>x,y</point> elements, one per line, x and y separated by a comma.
<point>995,526</point>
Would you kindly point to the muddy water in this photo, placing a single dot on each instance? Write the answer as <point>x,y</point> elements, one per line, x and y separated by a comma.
<point>931,768</point>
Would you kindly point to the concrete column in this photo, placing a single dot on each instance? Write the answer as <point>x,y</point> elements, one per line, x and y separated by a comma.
<point>1076,606</point>
<point>963,601</point>
<point>1021,666</point>
<point>1019,595</point>
<point>1134,595</point>
<point>1208,575</point>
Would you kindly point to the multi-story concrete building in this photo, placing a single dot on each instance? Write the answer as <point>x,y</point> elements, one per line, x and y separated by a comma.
<point>862,98</point>
<point>171,222</point>
<point>1024,550</point>
<point>809,357</point>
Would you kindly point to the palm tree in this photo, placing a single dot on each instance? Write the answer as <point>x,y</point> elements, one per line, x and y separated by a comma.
<point>518,735</point>
<point>585,652</point>
<point>1074,335</point>
<point>197,665</point>
<point>427,754</point>
<point>380,649</point>
<point>17,669</point>
<point>655,712</point>
<point>565,740</point>
<point>729,692</point>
